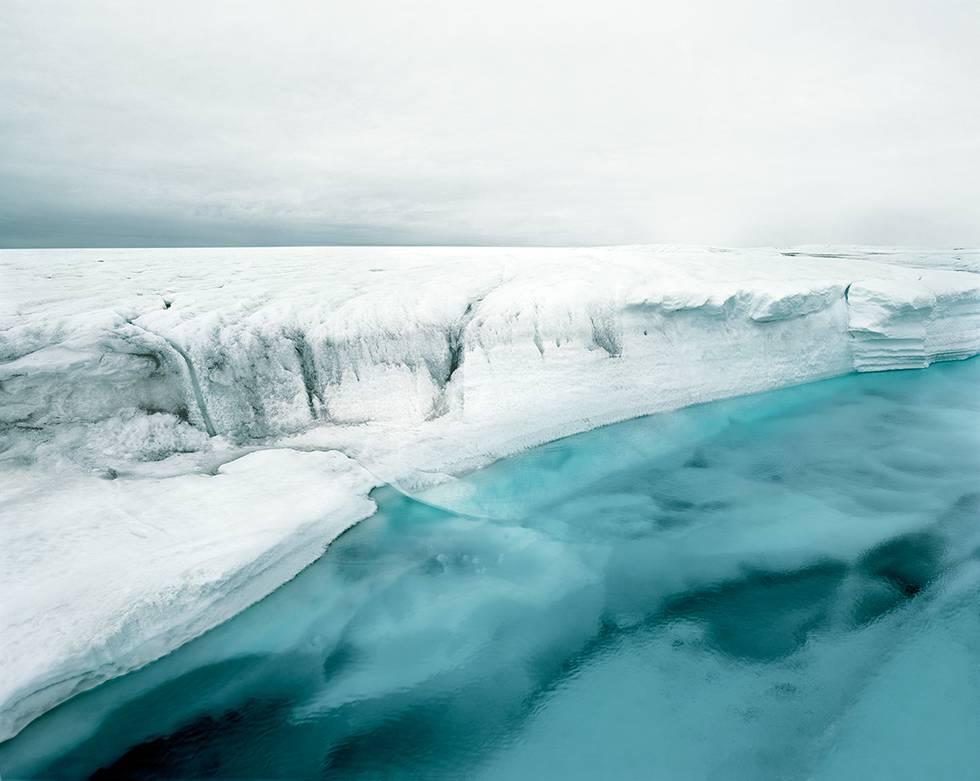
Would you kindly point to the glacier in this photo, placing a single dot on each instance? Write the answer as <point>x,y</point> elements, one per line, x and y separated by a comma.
<point>185,430</point>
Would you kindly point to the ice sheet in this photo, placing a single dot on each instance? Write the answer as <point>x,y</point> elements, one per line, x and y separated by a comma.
<point>129,376</point>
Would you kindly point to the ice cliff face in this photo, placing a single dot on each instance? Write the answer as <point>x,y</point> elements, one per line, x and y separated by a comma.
<point>253,344</point>
<point>162,370</point>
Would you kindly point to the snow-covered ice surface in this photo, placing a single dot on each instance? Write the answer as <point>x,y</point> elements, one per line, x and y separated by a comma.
<point>137,385</point>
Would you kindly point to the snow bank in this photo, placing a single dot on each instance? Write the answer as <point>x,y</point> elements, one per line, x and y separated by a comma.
<point>155,367</point>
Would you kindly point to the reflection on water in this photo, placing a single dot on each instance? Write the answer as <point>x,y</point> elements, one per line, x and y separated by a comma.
<point>782,586</point>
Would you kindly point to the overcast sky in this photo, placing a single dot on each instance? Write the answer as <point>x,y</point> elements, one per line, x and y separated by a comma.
<point>495,122</point>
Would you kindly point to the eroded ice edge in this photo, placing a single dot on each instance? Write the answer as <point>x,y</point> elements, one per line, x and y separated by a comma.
<point>185,430</point>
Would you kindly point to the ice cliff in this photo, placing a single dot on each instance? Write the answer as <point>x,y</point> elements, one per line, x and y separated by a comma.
<point>135,386</point>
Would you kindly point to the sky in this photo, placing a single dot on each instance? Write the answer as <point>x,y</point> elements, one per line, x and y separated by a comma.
<point>730,122</point>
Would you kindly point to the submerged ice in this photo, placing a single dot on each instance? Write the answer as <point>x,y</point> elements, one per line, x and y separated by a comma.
<point>778,586</point>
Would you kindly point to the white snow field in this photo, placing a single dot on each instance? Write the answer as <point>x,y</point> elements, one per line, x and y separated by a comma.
<point>182,431</point>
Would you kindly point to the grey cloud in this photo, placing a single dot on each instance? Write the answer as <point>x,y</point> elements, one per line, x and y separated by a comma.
<point>769,121</point>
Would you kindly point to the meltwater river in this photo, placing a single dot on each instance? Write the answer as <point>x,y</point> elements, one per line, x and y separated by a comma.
<point>783,586</point>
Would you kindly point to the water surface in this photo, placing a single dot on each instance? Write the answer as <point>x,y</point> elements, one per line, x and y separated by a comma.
<point>783,586</point>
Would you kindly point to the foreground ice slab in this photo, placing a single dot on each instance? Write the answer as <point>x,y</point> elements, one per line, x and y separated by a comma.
<point>154,367</point>
<point>100,576</point>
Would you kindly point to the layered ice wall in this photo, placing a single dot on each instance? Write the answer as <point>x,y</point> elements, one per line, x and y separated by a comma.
<point>136,384</point>
<point>899,324</point>
<point>251,344</point>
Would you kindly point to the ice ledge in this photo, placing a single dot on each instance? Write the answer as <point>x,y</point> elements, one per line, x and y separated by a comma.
<point>257,344</point>
<point>102,576</point>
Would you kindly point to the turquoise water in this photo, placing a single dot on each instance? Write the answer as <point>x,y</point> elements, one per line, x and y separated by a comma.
<point>783,586</point>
